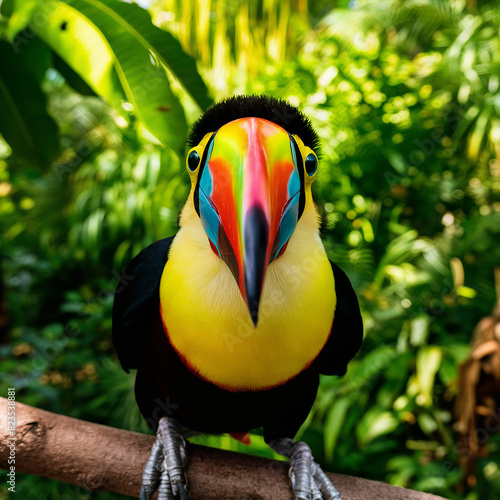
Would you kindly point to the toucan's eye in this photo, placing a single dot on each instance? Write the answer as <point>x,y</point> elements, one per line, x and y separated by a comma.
<point>311,164</point>
<point>193,160</point>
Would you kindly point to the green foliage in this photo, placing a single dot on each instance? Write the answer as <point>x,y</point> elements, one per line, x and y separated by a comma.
<point>116,50</point>
<point>404,96</point>
<point>24,121</point>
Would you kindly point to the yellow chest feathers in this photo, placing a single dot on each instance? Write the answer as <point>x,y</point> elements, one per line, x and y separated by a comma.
<point>208,322</point>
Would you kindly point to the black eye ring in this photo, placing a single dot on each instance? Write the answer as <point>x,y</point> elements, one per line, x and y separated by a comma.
<point>193,160</point>
<point>311,164</point>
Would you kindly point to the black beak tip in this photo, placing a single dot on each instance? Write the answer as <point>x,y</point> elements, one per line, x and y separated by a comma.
<point>255,319</point>
<point>253,307</point>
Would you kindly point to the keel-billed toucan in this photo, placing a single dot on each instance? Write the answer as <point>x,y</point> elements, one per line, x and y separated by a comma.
<point>231,321</point>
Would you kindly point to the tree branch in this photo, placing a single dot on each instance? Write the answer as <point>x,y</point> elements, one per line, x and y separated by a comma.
<point>97,457</point>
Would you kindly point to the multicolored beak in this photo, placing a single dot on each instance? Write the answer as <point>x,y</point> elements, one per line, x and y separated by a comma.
<point>248,195</point>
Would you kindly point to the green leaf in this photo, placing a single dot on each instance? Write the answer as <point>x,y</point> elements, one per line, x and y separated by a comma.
<point>428,362</point>
<point>467,292</point>
<point>144,81</point>
<point>77,41</point>
<point>166,48</point>
<point>375,423</point>
<point>478,135</point>
<point>427,423</point>
<point>24,122</point>
<point>333,425</point>
<point>20,17</point>
<point>448,371</point>
<point>419,330</point>
<point>36,55</point>
<point>370,368</point>
<point>73,79</point>
<point>95,40</point>
<point>6,7</point>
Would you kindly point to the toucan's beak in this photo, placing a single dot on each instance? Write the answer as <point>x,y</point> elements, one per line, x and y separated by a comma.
<point>248,192</point>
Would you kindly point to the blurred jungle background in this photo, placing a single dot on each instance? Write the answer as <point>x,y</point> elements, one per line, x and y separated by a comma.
<point>405,96</point>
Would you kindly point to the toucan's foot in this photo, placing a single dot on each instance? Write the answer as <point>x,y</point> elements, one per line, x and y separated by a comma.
<point>164,470</point>
<point>309,482</point>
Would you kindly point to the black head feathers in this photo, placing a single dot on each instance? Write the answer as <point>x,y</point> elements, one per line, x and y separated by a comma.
<point>259,106</point>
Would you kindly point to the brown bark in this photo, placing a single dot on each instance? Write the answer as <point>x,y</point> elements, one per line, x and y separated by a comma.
<point>97,457</point>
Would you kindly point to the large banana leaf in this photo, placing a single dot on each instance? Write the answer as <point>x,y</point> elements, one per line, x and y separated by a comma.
<point>114,47</point>
<point>101,40</point>
<point>166,48</point>
<point>82,46</point>
<point>95,41</point>
<point>24,122</point>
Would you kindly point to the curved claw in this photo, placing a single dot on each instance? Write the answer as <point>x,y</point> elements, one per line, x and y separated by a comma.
<point>326,487</point>
<point>309,482</point>
<point>164,470</point>
<point>182,492</point>
<point>316,493</point>
<point>146,493</point>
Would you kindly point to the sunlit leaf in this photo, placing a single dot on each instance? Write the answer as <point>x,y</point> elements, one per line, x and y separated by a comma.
<point>427,423</point>
<point>21,15</point>
<point>428,362</point>
<point>375,423</point>
<point>466,291</point>
<point>83,47</point>
<point>419,330</point>
<point>333,425</point>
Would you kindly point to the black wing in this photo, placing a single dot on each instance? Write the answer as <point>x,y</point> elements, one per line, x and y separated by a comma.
<point>347,329</point>
<point>137,301</point>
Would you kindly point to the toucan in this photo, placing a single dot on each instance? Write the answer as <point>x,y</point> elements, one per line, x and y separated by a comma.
<point>230,322</point>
